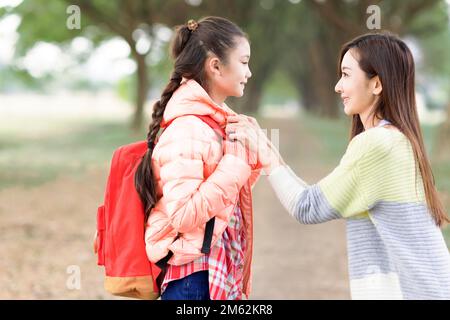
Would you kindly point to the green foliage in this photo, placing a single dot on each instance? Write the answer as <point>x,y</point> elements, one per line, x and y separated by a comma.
<point>434,39</point>
<point>42,22</point>
<point>295,41</point>
<point>124,88</point>
<point>158,76</point>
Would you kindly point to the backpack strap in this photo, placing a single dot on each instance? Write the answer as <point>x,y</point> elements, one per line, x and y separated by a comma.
<point>208,120</point>
<point>213,124</point>
<point>209,228</point>
<point>162,264</point>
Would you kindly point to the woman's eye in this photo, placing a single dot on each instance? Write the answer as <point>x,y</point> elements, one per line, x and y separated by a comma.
<point>344,74</point>
<point>245,62</point>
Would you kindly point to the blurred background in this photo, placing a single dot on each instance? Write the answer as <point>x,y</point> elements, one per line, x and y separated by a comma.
<point>78,79</point>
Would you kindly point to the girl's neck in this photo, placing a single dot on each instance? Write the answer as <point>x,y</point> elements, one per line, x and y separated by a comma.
<point>216,96</point>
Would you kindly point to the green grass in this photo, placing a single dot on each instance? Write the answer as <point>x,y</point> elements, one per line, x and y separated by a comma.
<point>441,172</point>
<point>30,157</point>
<point>333,134</point>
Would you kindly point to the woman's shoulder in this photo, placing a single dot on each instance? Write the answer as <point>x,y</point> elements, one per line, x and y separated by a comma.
<point>375,142</point>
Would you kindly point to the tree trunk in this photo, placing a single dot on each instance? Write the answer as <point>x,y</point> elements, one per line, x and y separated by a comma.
<point>141,94</point>
<point>305,91</point>
<point>326,98</point>
<point>323,79</point>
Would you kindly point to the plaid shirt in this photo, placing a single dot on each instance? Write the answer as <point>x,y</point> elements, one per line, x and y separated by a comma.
<point>225,263</point>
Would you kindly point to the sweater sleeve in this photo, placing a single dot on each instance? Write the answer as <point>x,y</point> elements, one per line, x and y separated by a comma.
<point>341,194</point>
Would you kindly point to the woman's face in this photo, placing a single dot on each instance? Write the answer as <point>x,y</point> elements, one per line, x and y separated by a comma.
<point>358,93</point>
<point>230,78</point>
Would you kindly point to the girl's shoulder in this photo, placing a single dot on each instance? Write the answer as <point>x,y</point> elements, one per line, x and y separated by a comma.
<point>188,127</point>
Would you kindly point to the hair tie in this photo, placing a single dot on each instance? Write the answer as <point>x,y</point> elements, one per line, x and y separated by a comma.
<point>192,25</point>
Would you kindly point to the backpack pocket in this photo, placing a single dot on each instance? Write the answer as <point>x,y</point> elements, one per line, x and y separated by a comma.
<point>100,240</point>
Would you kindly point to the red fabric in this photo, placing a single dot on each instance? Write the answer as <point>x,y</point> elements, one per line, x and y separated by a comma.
<point>122,249</point>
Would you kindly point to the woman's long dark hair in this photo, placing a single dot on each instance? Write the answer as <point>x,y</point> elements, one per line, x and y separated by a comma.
<point>190,48</point>
<point>386,56</point>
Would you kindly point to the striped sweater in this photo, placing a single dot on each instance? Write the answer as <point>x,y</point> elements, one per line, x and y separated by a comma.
<point>395,250</point>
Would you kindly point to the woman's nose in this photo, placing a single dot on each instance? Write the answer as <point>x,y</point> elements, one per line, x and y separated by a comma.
<point>338,87</point>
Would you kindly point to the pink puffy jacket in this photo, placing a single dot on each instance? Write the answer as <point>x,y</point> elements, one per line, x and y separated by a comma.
<point>198,177</point>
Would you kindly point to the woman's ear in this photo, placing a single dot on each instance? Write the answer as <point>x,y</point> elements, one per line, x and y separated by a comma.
<point>377,86</point>
<point>213,66</point>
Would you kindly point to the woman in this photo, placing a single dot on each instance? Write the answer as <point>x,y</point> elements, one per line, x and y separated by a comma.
<point>383,185</point>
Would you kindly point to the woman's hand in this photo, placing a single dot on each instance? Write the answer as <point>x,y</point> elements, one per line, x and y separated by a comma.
<point>246,130</point>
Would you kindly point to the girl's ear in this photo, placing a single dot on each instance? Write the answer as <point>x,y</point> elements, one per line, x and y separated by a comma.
<point>377,86</point>
<point>213,66</point>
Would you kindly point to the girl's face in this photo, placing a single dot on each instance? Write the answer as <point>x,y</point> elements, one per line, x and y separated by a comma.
<point>229,79</point>
<point>358,93</point>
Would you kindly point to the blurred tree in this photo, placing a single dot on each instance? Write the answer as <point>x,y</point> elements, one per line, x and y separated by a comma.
<point>302,38</point>
<point>263,21</point>
<point>131,19</point>
<point>100,20</point>
<point>310,59</point>
<point>326,25</point>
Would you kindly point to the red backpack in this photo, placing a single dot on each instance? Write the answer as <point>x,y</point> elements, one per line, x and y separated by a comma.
<point>119,242</point>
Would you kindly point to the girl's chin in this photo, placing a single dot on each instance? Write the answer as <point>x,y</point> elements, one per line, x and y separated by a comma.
<point>238,93</point>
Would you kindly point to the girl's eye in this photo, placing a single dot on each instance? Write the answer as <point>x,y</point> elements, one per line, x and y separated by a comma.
<point>244,62</point>
<point>344,74</point>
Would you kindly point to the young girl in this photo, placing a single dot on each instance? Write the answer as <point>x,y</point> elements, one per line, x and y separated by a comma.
<point>189,177</point>
<point>383,185</point>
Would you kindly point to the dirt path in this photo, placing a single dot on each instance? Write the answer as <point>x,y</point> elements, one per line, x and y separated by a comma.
<point>294,261</point>
<point>47,229</point>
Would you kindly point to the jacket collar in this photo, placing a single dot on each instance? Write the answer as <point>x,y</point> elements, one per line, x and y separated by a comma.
<point>191,98</point>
